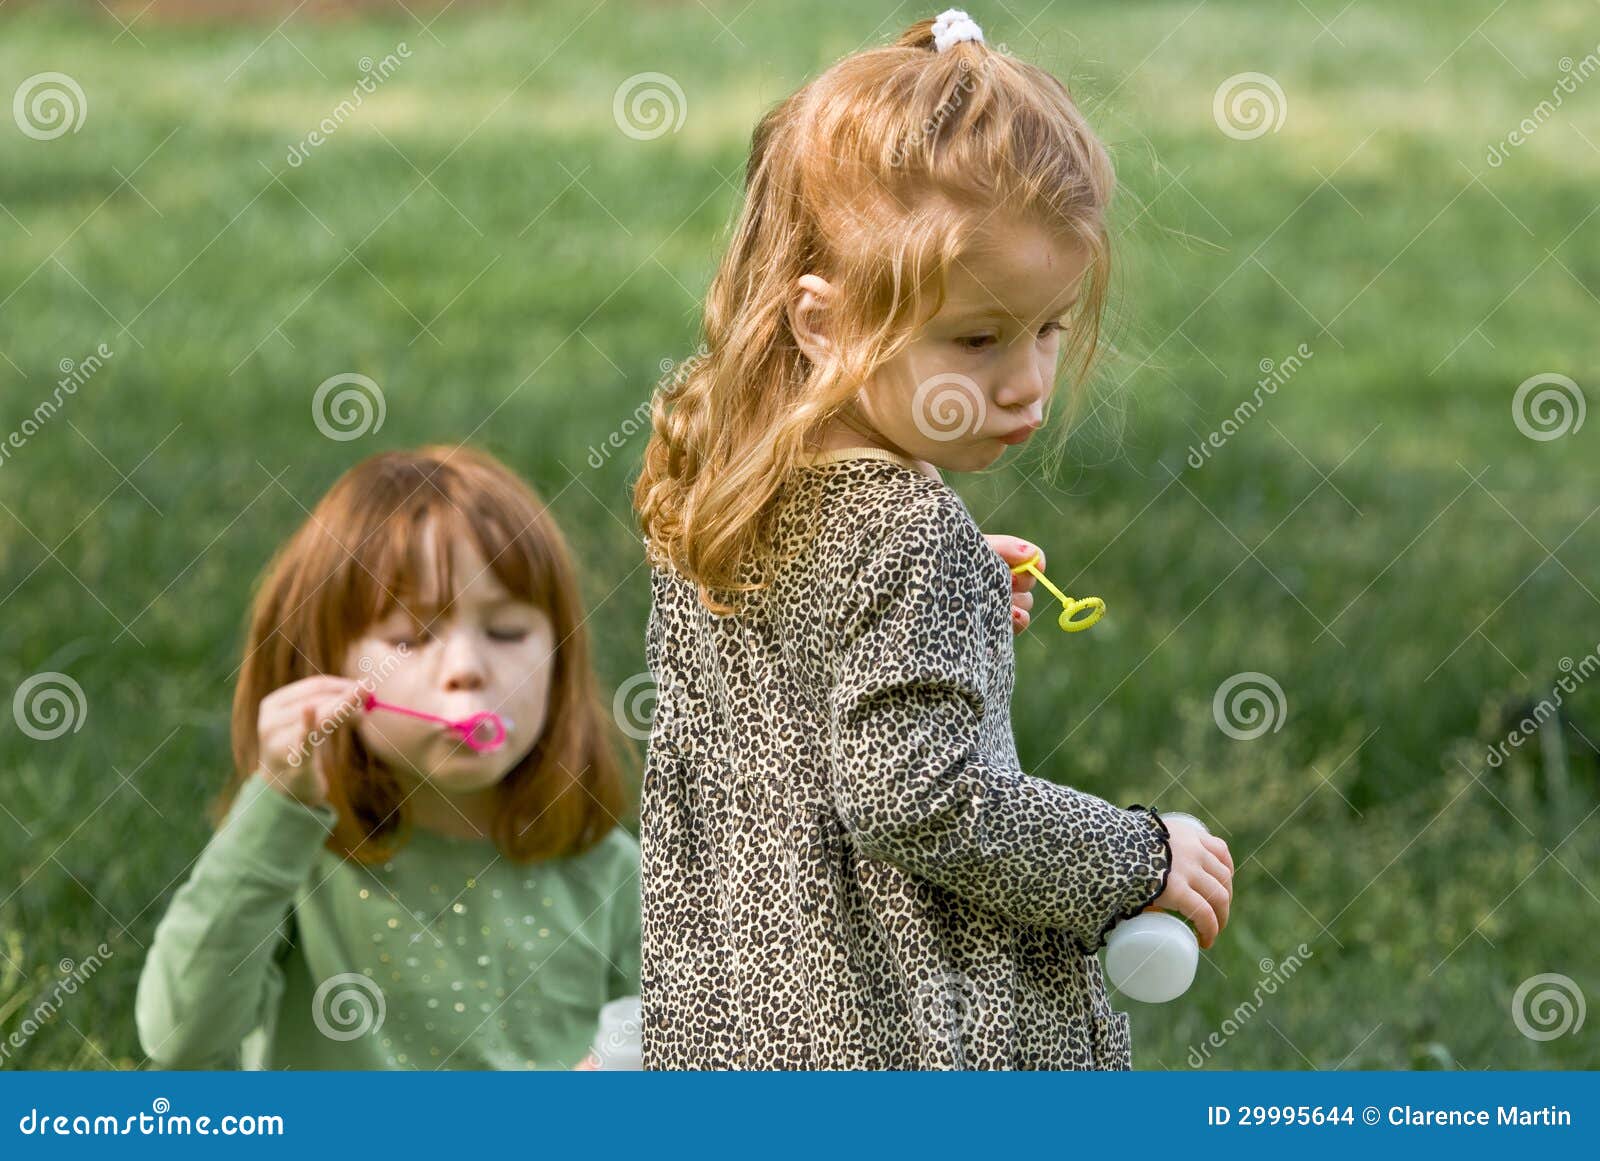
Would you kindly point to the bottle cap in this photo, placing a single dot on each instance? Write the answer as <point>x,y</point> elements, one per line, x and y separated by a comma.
<point>1169,815</point>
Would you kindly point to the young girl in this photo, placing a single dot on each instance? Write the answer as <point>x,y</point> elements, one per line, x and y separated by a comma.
<point>843,864</point>
<point>380,894</point>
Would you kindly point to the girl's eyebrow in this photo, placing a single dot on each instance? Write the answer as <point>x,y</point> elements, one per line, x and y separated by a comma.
<point>979,313</point>
<point>501,600</point>
<point>426,612</point>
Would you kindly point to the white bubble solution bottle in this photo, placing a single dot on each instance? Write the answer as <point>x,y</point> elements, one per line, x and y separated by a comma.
<point>1152,956</point>
<point>617,1041</point>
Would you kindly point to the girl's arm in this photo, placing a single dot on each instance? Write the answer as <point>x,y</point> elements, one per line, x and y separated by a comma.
<point>908,776</point>
<point>211,973</point>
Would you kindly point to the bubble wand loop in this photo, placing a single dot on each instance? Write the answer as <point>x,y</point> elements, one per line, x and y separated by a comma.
<point>481,732</point>
<point>1069,621</point>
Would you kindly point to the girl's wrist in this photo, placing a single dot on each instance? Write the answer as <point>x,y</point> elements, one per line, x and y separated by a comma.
<point>290,787</point>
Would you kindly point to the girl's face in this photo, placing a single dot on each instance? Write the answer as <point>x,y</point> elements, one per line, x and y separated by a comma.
<point>981,369</point>
<point>492,651</point>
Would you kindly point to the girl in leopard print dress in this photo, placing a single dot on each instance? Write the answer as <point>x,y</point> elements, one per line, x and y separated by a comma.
<point>842,863</point>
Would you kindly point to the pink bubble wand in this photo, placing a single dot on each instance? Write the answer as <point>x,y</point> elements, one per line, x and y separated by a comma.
<point>481,732</point>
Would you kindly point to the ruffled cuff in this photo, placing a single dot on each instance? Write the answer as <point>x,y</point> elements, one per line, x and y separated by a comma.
<point>1161,851</point>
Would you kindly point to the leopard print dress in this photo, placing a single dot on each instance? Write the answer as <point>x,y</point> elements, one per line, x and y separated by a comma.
<point>842,864</point>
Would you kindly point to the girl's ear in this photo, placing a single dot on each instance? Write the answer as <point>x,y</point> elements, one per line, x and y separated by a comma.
<point>807,312</point>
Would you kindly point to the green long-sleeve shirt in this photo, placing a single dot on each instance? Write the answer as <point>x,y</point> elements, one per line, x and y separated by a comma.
<point>277,953</point>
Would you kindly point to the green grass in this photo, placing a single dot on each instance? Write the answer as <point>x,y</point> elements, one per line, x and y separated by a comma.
<point>1377,538</point>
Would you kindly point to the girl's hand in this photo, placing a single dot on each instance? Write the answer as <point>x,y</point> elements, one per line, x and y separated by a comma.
<point>588,1064</point>
<point>1200,882</point>
<point>1014,551</point>
<point>293,723</point>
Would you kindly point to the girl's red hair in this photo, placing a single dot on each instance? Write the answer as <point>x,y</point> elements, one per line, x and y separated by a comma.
<point>358,555</point>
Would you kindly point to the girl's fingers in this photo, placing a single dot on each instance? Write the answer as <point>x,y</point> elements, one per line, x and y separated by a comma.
<point>1014,550</point>
<point>309,686</point>
<point>285,703</point>
<point>1194,905</point>
<point>1217,894</point>
<point>323,685</point>
<point>331,716</point>
<point>339,712</point>
<point>1022,581</point>
<point>331,701</point>
<point>1220,849</point>
<point>1021,601</point>
<point>300,744</point>
<point>1221,901</point>
<point>286,711</point>
<point>1221,871</point>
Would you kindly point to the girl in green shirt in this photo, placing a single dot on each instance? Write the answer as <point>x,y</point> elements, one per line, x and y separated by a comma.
<point>384,890</point>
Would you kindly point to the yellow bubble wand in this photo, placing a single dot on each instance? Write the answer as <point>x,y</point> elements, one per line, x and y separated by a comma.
<point>1069,620</point>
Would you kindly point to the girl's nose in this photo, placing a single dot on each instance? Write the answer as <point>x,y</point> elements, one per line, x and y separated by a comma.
<point>1026,384</point>
<point>463,664</point>
<point>464,680</point>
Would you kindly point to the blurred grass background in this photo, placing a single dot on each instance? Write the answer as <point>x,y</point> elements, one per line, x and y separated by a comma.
<point>484,242</point>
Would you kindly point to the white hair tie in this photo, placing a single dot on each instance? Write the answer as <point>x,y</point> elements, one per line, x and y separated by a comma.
<point>952,27</point>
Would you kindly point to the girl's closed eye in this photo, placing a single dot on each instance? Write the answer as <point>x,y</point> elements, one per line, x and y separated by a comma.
<point>413,638</point>
<point>981,342</point>
<point>410,638</point>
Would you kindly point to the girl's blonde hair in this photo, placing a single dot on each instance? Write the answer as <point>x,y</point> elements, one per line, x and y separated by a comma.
<point>877,176</point>
<point>360,554</point>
